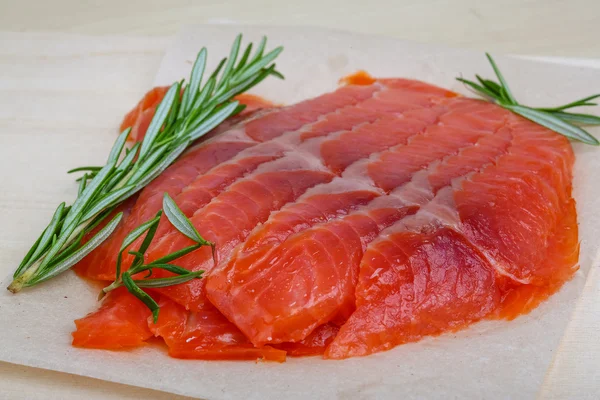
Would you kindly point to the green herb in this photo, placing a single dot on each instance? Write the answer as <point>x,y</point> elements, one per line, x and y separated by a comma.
<point>554,118</point>
<point>182,275</point>
<point>186,113</point>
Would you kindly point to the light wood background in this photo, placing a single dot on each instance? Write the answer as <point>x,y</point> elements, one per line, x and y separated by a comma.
<point>534,27</point>
<point>537,27</point>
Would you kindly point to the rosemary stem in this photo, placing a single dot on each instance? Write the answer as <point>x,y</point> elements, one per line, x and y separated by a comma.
<point>119,282</point>
<point>116,284</point>
<point>21,281</point>
<point>24,279</point>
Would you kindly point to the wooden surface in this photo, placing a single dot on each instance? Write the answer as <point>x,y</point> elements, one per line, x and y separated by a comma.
<point>106,75</point>
<point>32,96</point>
<point>537,27</point>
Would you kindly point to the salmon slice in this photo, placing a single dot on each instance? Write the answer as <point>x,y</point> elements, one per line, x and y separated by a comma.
<point>120,322</point>
<point>223,144</point>
<point>205,335</point>
<point>138,119</point>
<point>311,268</point>
<point>492,244</point>
<point>434,283</point>
<point>208,335</point>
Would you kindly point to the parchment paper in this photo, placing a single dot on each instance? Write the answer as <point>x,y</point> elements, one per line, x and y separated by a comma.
<point>490,360</point>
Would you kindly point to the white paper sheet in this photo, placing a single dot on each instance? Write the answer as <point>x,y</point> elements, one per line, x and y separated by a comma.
<point>491,359</point>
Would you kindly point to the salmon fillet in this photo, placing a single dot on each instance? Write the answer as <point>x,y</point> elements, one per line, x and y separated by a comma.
<point>120,322</point>
<point>312,273</point>
<point>369,217</point>
<point>124,322</point>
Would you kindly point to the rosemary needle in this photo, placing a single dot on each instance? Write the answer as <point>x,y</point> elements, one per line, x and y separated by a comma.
<point>187,112</point>
<point>555,118</point>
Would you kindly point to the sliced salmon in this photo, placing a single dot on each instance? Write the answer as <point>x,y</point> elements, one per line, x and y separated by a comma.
<point>312,273</point>
<point>467,254</point>
<point>123,322</point>
<point>223,145</point>
<point>101,263</point>
<point>120,322</point>
<point>206,335</point>
<point>305,161</point>
<point>369,217</point>
<point>296,165</point>
<point>433,283</point>
<point>314,344</point>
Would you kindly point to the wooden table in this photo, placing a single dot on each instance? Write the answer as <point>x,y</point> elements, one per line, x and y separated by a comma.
<point>535,27</point>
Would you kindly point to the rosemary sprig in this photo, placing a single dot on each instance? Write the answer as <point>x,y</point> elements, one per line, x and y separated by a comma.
<point>555,118</point>
<point>182,275</point>
<point>182,117</point>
